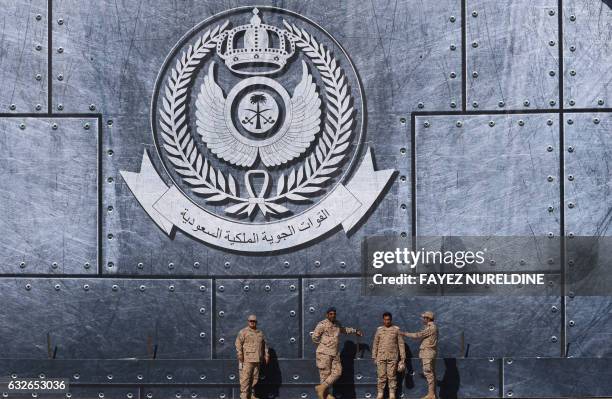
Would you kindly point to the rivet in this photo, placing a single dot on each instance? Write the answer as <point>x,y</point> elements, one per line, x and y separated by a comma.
<point>196,265</point>
<point>453,75</point>
<point>549,122</point>
<point>22,126</point>
<point>110,264</point>
<point>115,287</point>
<point>86,126</point>
<point>202,335</point>
<point>38,76</point>
<point>452,18</point>
<point>475,104</point>
<point>286,263</point>
<point>171,265</point>
<point>570,177</point>
<point>551,43</point>
<point>12,107</point>
<point>129,395</point>
<point>570,149</point>
<point>317,263</point>
<point>57,287</point>
<point>245,288</point>
<point>553,339</point>
<point>403,179</point>
<point>343,264</point>
<point>292,287</point>
<point>550,208</point>
<point>572,102</point>
<point>38,17</point>
<point>553,309</point>
<point>60,107</point>
<point>552,103</point>
<point>550,178</point>
<point>149,395</point>
<point>60,77</point>
<point>76,376</point>
<point>571,205</point>
<point>474,74</point>
<point>522,261</point>
<point>572,48</point>
<point>571,262</point>
<point>572,323</point>
<point>421,105</point>
<point>491,387</point>
<point>202,310</point>
<point>221,288</point>
<point>571,294</point>
<point>403,207</point>
<point>54,126</point>
<point>311,287</point>
<point>140,265</point>
<point>453,104</point>
<point>453,47</point>
<point>54,265</point>
<point>171,287</point>
<point>570,121</point>
<point>551,73</point>
<point>110,180</point>
<point>92,107</point>
<point>551,12</point>
<point>572,18</point>
<point>521,122</point>
<point>86,287</point>
<point>474,14</point>
<point>292,313</point>
<point>292,340</point>
<point>550,234</point>
<point>474,44</point>
<point>221,340</point>
<point>109,122</point>
<point>110,236</point>
<point>508,361</point>
<point>38,47</point>
<point>403,234</point>
<point>426,124</point>
<point>38,107</point>
<point>573,72</point>
<point>142,287</point>
<point>570,234</point>
<point>311,309</point>
<point>60,21</point>
<point>342,287</point>
<point>202,288</point>
<point>526,103</point>
<point>402,120</point>
<point>492,262</point>
<point>501,104</point>
<point>22,265</point>
<point>596,121</point>
<point>600,102</point>
<point>510,393</point>
<point>459,124</point>
<point>221,313</point>
<point>60,50</point>
<point>549,148</point>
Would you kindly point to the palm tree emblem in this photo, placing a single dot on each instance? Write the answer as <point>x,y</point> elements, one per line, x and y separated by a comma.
<point>262,116</point>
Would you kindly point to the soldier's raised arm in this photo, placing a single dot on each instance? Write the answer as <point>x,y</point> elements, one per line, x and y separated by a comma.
<point>426,332</point>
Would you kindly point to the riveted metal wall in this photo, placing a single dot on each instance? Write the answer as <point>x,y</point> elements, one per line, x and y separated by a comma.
<point>494,115</point>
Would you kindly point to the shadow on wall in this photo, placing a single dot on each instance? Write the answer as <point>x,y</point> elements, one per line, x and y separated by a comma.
<point>268,387</point>
<point>608,3</point>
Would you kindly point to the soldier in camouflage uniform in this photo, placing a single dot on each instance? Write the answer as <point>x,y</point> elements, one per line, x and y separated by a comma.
<point>387,348</point>
<point>251,349</point>
<point>326,337</point>
<point>428,351</point>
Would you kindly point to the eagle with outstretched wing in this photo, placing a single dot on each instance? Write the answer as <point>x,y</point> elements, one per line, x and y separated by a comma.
<point>289,143</point>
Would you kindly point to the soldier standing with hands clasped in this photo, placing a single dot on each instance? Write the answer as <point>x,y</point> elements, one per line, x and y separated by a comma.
<point>428,351</point>
<point>251,348</point>
<point>326,336</point>
<point>387,347</point>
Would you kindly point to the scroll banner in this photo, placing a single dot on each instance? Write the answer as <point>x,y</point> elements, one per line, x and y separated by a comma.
<point>345,205</point>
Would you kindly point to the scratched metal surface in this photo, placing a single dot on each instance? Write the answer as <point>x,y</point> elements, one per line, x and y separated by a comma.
<point>512,54</point>
<point>88,318</point>
<point>276,304</point>
<point>587,27</point>
<point>516,330</point>
<point>48,195</point>
<point>23,56</point>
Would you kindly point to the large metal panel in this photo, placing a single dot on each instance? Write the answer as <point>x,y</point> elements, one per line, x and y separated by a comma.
<point>524,326</point>
<point>106,318</point>
<point>48,195</point>
<point>23,59</point>
<point>487,175</point>
<point>556,378</point>
<point>512,54</point>
<point>277,306</point>
<point>587,53</point>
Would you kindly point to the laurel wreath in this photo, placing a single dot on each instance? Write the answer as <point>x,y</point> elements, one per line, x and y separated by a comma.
<point>330,151</point>
<point>195,169</point>
<point>298,185</point>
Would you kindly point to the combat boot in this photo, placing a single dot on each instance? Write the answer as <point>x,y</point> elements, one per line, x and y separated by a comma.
<point>320,390</point>
<point>253,395</point>
<point>391,395</point>
<point>380,394</point>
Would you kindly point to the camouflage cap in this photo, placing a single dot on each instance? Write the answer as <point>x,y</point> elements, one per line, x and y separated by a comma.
<point>252,317</point>
<point>428,314</point>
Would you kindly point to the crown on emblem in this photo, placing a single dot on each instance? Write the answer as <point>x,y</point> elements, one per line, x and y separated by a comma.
<point>264,49</point>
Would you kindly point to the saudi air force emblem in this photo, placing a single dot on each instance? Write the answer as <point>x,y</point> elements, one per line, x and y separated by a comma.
<point>257,118</point>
